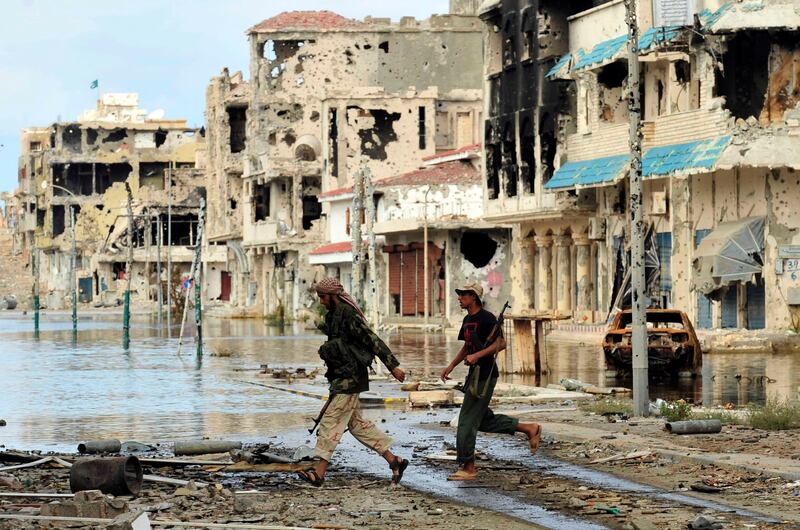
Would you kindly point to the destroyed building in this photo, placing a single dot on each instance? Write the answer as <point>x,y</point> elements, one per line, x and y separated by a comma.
<point>329,96</point>
<point>227,101</point>
<point>79,170</point>
<point>720,140</point>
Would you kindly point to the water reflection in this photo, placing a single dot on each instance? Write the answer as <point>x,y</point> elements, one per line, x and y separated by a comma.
<point>56,393</point>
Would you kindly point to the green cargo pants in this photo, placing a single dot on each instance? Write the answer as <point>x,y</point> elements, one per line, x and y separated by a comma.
<point>476,416</point>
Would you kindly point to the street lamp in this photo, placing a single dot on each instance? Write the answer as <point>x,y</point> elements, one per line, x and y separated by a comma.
<point>73,253</point>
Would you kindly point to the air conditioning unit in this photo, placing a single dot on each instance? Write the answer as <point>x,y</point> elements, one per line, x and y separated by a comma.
<point>658,203</point>
<point>597,228</point>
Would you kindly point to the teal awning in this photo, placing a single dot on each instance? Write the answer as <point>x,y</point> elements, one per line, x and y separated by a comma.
<point>683,159</point>
<point>612,49</point>
<point>588,172</point>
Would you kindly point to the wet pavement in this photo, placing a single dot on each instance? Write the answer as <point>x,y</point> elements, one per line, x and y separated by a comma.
<point>56,393</point>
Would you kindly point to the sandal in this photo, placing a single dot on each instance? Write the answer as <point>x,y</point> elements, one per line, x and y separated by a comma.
<point>536,439</point>
<point>311,476</point>
<point>399,465</point>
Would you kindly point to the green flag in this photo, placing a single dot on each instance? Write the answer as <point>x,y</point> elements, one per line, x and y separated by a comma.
<point>94,84</point>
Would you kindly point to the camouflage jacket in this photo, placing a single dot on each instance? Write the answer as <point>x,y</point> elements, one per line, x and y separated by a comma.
<point>349,351</point>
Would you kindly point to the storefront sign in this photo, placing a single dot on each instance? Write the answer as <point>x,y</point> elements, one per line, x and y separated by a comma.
<point>789,251</point>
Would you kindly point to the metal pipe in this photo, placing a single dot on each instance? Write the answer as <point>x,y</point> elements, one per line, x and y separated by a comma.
<point>99,446</point>
<point>115,476</point>
<point>694,427</point>
<point>204,447</point>
<point>641,390</point>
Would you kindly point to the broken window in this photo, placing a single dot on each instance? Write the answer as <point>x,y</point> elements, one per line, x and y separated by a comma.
<point>261,200</point>
<point>744,76</point>
<point>184,229</point>
<point>375,133</point>
<point>237,120</point>
<point>58,219</point>
<point>333,134</point>
<point>509,167</point>
<point>305,153</point>
<point>91,136</point>
<point>77,178</point>
<point>107,174</point>
<point>421,127</point>
<point>509,41</point>
<point>71,138</point>
<point>492,163</point>
<point>528,26</point>
<point>35,146</point>
<point>527,144</point>
<point>117,135</point>
<point>611,85</point>
<point>40,217</point>
<point>444,137</point>
<point>783,91</point>
<point>312,208</point>
<point>152,174</point>
<point>478,248</point>
<point>160,137</point>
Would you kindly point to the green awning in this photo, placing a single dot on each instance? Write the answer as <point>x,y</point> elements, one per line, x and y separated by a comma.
<point>732,252</point>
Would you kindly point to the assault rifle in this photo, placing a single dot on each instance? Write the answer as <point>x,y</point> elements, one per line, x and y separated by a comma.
<point>321,414</point>
<point>494,334</point>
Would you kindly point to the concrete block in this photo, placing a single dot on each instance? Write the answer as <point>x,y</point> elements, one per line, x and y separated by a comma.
<point>424,398</point>
<point>131,521</point>
<point>254,502</point>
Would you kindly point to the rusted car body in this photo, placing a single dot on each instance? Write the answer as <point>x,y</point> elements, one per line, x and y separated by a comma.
<point>672,343</point>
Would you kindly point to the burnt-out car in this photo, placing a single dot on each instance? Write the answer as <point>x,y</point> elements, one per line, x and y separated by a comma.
<point>672,345</point>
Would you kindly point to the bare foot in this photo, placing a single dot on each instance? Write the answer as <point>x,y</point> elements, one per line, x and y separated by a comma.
<point>534,433</point>
<point>462,475</point>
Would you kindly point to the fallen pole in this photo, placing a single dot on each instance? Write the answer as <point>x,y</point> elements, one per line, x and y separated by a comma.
<point>695,427</point>
<point>205,447</point>
<point>100,446</point>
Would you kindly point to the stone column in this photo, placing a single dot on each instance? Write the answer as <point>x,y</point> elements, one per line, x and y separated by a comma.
<point>564,287</point>
<point>545,276</point>
<point>583,276</point>
<point>529,271</point>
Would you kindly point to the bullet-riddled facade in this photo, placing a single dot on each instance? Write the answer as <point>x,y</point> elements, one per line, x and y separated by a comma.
<point>328,96</point>
<point>719,163</point>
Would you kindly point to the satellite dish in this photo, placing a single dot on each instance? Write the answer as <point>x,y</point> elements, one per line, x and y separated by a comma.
<point>157,114</point>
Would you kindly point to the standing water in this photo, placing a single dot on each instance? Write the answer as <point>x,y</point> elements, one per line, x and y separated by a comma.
<point>56,393</point>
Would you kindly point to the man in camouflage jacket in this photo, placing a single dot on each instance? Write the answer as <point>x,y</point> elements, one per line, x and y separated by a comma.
<point>348,353</point>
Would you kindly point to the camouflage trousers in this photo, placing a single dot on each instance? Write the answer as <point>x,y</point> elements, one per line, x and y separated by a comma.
<point>344,412</point>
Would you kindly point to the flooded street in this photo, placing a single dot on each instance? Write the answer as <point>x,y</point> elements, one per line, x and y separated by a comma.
<point>55,394</point>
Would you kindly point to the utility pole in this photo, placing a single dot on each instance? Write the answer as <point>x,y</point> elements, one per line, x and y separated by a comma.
<point>35,267</point>
<point>425,272</point>
<point>169,250</point>
<point>198,278</point>
<point>641,390</point>
<point>355,232</point>
<point>194,279</point>
<point>126,312</point>
<point>158,270</point>
<point>372,246</point>
<point>72,279</point>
